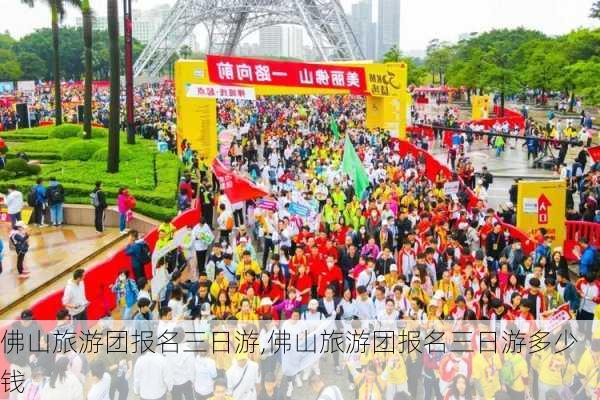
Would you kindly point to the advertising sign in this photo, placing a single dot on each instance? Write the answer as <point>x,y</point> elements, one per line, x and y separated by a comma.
<point>235,70</point>
<point>535,210</point>
<point>220,92</point>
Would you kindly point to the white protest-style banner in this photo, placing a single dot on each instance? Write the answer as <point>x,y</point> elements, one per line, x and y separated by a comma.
<point>451,188</point>
<point>26,86</point>
<point>220,92</point>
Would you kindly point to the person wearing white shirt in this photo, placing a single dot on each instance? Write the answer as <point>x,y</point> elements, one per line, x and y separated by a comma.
<point>202,237</point>
<point>367,278</point>
<point>205,370</point>
<point>365,309</point>
<point>14,204</point>
<point>242,378</point>
<point>74,299</point>
<point>63,384</point>
<point>100,390</point>
<point>180,366</point>
<point>151,380</point>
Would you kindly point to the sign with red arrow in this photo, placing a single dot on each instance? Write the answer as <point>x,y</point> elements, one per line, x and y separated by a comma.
<point>543,205</point>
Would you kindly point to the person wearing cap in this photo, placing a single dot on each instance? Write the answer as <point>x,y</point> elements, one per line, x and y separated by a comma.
<point>243,378</point>
<point>19,238</point>
<point>392,277</point>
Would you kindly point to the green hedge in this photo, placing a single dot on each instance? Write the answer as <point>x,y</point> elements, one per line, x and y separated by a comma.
<point>65,131</point>
<point>19,137</point>
<point>102,154</point>
<point>82,151</point>
<point>151,177</point>
<point>97,133</point>
<point>19,167</point>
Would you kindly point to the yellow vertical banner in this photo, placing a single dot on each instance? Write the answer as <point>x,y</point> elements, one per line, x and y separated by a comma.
<point>196,116</point>
<point>542,204</point>
<point>480,107</point>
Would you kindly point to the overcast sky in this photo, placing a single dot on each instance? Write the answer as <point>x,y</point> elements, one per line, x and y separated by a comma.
<point>421,20</point>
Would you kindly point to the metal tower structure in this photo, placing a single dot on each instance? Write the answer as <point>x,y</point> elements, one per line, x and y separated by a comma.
<point>229,21</point>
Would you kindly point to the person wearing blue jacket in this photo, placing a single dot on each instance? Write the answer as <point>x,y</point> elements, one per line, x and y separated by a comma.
<point>41,202</point>
<point>569,292</point>
<point>135,249</point>
<point>126,293</point>
<point>587,258</point>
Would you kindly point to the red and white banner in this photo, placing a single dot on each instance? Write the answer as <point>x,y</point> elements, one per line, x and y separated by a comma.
<point>594,152</point>
<point>234,70</point>
<point>560,315</point>
<point>220,91</point>
<point>236,187</point>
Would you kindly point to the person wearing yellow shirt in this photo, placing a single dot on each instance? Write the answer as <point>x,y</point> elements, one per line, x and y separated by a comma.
<point>589,368</point>
<point>515,375</point>
<point>246,313</point>
<point>486,374</point>
<point>247,264</point>
<point>219,284</point>
<point>449,290</point>
<point>370,384</point>
<point>395,376</point>
<point>554,372</point>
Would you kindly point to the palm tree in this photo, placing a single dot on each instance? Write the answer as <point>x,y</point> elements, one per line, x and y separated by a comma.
<point>86,13</point>
<point>57,10</point>
<point>115,89</point>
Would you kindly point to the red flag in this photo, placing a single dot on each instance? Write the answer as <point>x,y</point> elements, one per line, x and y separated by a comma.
<point>594,153</point>
<point>236,188</point>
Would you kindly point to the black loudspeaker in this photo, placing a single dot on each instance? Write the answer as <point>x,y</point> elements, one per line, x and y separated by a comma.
<point>23,115</point>
<point>80,113</point>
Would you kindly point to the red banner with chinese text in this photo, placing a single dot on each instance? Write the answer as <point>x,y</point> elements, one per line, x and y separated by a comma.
<point>234,70</point>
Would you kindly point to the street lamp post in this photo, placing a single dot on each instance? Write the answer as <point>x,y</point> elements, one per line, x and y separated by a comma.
<point>128,26</point>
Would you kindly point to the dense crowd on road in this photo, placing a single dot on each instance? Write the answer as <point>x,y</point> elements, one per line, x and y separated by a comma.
<point>402,250</point>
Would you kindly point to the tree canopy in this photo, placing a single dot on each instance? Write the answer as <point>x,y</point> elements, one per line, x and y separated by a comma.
<point>31,56</point>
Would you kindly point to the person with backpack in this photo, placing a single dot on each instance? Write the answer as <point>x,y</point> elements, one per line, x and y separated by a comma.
<point>126,293</point>
<point>56,199</point>
<point>37,198</point>
<point>140,254</point>
<point>98,199</point>
<point>19,240</point>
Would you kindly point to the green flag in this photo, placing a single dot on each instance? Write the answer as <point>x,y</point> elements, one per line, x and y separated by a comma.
<point>334,128</point>
<point>352,166</point>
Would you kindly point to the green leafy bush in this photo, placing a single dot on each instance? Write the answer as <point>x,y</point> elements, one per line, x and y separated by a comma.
<point>6,175</point>
<point>97,133</point>
<point>65,131</point>
<point>81,151</point>
<point>102,154</point>
<point>19,168</point>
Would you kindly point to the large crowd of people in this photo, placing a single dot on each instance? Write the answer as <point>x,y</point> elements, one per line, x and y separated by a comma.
<point>402,250</point>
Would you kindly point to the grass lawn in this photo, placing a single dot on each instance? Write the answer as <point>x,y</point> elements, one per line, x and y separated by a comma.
<point>151,177</point>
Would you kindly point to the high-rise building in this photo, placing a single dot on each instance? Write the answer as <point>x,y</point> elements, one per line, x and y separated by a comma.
<point>281,41</point>
<point>388,26</point>
<point>146,24</point>
<point>361,22</point>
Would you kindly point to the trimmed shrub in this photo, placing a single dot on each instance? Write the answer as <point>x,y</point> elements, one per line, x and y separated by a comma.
<point>97,133</point>
<point>102,154</point>
<point>65,131</point>
<point>81,151</point>
<point>19,167</point>
<point>6,175</point>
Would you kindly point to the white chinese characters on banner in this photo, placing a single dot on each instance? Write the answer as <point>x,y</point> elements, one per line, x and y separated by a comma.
<point>243,72</point>
<point>222,92</point>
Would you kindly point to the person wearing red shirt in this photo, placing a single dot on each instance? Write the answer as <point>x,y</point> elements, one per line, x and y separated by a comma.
<point>249,281</point>
<point>297,259</point>
<point>267,288</point>
<point>321,240</point>
<point>316,264</point>
<point>330,276</point>
<point>330,250</point>
<point>302,283</point>
<point>186,185</point>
